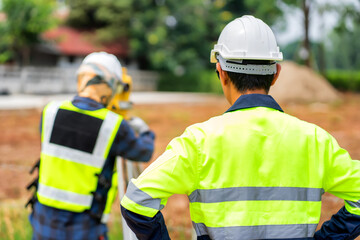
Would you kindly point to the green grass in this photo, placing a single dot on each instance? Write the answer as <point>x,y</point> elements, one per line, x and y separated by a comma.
<point>15,225</point>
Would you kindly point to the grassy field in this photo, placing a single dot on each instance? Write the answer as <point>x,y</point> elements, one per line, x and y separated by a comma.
<point>14,223</point>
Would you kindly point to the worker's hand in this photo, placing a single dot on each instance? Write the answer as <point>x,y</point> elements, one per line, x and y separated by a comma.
<point>138,125</point>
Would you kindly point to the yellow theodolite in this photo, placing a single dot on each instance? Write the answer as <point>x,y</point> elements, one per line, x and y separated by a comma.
<point>120,103</point>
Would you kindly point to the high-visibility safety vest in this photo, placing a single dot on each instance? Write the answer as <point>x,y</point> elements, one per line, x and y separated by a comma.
<point>254,173</point>
<point>74,146</point>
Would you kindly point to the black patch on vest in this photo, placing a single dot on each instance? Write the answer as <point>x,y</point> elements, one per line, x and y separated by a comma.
<point>75,130</point>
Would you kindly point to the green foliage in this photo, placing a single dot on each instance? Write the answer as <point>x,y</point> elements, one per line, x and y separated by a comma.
<point>201,81</point>
<point>342,50</point>
<point>26,20</point>
<point>344,80</point>
<point>109,18</point>
<point>291,51</point>
<point>171,35</point>
<point>269,10</point>
<point>166,35</point>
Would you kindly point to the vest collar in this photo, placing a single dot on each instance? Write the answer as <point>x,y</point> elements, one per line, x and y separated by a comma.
<point>86,103</point>
<point>254,100</point>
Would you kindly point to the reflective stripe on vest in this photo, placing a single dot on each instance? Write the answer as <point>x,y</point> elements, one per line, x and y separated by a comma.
<point>257,232</point>
<point>61,166</point>
<point>142,198</point>
<point>354,204</point>
<point>256,194</point>
<point>65,196</point>
<point>105,217</point>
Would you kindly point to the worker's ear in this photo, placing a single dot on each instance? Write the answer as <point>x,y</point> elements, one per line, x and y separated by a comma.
<point>278,70</point>
<point>224,77</point>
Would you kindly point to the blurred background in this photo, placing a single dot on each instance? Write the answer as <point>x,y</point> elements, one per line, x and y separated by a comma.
<point>170,38</point>
<point>165,44</point>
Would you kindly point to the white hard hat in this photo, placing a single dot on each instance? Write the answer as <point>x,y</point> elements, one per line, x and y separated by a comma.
<point>246,38</point>
<point>109,61</point>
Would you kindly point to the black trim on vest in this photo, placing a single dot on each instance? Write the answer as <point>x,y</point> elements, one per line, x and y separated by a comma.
<point>75,130</point>
<point>103,186</point>
<point>33,184</point>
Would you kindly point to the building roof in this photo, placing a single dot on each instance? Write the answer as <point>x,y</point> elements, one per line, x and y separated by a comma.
<point>70,41</point>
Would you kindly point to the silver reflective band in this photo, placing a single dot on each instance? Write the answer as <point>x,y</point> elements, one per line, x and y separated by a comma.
<point>257,232</point>
<point>105,218</point>
<point>72,155</point>
<point>354,204</point>
<point>95,159</point>
<point>142,198</point>
<point>256,194</point>
<point>105,133</point>
<point>247,69</point>
<point>65,196</point>
<point>49,118</point>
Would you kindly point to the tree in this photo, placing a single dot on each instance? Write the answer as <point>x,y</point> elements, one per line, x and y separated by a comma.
<point>342,49</point>
<point>109,19</point>
<point>269,11</point>
<point>25,21</point>
<point>175,35</point>
<point>167,35</point>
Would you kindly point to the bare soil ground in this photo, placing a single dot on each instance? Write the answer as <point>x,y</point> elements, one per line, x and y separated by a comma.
<point>20,143</point>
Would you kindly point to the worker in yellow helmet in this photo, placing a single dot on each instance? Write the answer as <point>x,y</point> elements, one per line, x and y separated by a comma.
<point>253,172</point>
<point>80,140</point>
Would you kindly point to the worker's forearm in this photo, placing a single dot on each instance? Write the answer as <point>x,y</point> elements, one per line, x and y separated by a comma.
<point>127,145</point>
<point>343,225</point>
<point>146,227</point>
<point>142,149</point>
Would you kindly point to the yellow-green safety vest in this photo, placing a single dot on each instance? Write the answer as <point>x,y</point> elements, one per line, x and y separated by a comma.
<point>254,173</point>
<point>69,167</point>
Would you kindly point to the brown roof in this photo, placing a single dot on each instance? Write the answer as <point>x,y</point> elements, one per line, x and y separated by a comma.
<point>69,41</point>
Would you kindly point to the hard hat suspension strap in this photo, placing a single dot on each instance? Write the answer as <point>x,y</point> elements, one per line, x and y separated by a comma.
<point>238,66</point>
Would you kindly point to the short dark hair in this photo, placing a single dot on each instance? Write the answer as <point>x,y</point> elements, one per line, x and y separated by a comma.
<point>244,82</point>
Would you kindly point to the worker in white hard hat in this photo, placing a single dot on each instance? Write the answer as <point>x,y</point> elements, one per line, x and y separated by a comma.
<point>80,140</point>
<point>253,172</point>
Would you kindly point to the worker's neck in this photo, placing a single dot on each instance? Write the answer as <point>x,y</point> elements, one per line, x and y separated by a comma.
<point>235,94</point>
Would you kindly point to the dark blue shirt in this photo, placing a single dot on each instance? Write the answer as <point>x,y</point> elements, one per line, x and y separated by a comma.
<point>52,223</point>
<point>342,225</point>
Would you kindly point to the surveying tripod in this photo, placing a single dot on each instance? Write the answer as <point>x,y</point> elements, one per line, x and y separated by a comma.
<point>126,169</point>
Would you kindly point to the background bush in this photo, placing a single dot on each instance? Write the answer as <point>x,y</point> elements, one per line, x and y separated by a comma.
<point>344,80</point>
<point>202,81</point>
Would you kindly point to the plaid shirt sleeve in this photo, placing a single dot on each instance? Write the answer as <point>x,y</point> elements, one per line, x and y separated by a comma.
<point>127,145</point>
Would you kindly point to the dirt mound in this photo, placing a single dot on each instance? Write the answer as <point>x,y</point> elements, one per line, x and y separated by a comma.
<point>300,83</point>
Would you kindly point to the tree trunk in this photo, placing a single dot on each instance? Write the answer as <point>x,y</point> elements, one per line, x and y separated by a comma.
<point>322,59</point>
<point>306,43</point>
